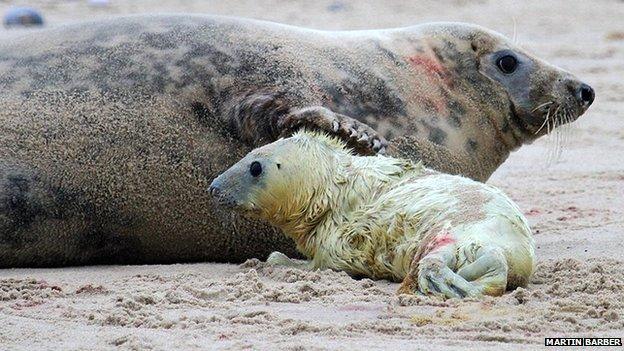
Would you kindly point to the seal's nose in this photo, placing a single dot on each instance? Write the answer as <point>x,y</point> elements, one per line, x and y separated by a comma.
<point>585,94</point>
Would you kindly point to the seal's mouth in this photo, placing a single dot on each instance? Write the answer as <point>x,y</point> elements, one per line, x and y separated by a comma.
<point>545,117</point>
<point>223,200</point>
<point>551,115</point>
<point>525,122</point>
<point>563,108</point>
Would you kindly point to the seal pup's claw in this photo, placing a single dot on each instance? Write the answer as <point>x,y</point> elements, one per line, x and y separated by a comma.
<point>436,278</point>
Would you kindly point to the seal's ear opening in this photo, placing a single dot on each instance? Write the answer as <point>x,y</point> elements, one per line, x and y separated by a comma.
<point>279,166</point>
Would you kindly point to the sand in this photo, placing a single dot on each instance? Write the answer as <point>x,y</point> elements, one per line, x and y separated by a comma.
<point>574,204</point>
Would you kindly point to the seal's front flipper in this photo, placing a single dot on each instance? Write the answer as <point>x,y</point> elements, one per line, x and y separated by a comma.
<point>263,116</point>
<point>364,139</point>
<point>277,258</point>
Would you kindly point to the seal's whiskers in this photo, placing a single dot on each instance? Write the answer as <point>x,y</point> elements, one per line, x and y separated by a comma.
<point>545,119</point>
<point>562,123</point>
<point>542,105</point>
<point>514,37</point>
<point>554,141</point>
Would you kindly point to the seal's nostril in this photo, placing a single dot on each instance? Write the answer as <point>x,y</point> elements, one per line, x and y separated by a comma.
<point>586,94</point>
<point>214,191</point>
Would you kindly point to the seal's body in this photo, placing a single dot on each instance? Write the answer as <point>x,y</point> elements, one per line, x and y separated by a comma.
<point>383,218</point>
<point>110,131</point>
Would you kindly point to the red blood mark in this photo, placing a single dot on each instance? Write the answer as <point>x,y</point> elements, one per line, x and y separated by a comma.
<point>429,64</point>
<point>42,284</point>
<point>436,72</point>
<point>432,67</point>
<point>440,241</point>
<point>573,212</point>
<point>533,212</point>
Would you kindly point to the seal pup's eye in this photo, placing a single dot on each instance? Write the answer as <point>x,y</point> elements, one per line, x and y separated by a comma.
<point>255,169</point>
<point>279,166</point>
<point>507,64</point>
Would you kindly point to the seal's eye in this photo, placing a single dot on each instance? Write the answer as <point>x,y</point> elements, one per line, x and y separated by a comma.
<point>255,169</point>
<point>507,64</point>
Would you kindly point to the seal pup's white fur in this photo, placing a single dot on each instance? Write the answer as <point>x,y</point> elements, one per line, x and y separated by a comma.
<point>383,218</point>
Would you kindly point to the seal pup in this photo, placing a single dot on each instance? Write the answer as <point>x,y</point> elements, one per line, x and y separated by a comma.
<point>111,130</point>
<point>383,218</point>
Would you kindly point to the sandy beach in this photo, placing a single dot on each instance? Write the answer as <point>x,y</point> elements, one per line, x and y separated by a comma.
<point>570,186</point>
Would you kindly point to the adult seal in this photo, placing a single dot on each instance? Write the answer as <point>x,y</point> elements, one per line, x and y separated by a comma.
<point>111,131</point>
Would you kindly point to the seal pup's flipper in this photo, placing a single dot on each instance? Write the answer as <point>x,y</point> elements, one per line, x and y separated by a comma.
<point>487,268</point>
<point>277,258</point>
<point>479,270</point>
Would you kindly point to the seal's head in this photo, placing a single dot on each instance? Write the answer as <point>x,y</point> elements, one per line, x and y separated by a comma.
<point>538,92</point>
<point>487,70</point>
<point>277,182</point>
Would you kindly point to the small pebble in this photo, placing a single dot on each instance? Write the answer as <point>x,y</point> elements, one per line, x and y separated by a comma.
<point>23,17</point>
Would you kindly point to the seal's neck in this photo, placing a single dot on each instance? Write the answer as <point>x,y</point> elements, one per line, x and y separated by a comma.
<point>308,204</point>
<point>492,154</point>
<point>506,134</point>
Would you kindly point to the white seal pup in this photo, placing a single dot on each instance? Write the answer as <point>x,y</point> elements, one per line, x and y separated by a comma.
<point>382,217</point>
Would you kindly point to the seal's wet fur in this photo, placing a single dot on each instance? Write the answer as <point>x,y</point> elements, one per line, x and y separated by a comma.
<point>383,218</point>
